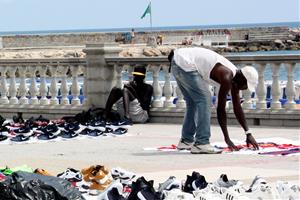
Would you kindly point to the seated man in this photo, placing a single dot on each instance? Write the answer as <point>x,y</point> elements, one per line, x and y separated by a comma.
<point>132,102</point>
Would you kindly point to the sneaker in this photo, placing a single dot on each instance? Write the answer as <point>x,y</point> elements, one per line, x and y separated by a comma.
<point>204,149</point>
<point>288,191</point>
<point>124,176</point>
<point>71,175</point>
<point>125,123</point>
<point>120,131</point>
<point>224,182</point>
<point>18,118</point>
<point>97,125</point>
<point>188,185</point>
<point>260,189</point>
<point>20,138</point>
<point>42,172</point>
<point>113,192</point>
<point>183,145</point>
<point>177,194</point>
<point>169,184</point>
<point>68,134</point>
<point>141,185</point>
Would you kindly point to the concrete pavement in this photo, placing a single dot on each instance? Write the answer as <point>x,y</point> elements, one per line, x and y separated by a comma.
<point>127,152</point>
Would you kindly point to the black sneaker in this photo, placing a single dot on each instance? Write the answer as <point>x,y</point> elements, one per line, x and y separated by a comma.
<point>68,134</point>
<point>142,188</point>
<point>126,123</point>
<point>18,118</point>
<point>20,138</point>
<point>188,185</point>
<point>2,120</point>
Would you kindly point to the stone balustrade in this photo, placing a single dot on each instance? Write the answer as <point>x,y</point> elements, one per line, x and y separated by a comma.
<point>58,87</point>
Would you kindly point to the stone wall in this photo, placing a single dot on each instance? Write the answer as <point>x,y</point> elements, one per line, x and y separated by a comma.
<point>80,39</point>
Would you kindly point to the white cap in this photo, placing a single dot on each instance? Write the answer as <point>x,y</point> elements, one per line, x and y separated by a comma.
<point>251,75</point>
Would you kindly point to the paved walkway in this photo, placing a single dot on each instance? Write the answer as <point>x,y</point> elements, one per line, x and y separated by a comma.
<point>127,152</point>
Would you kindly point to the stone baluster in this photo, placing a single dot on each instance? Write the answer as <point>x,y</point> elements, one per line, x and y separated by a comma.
<point>180,103</point>
<point>261,89</point>
<point>33,89</point>
<point>23,87</point>
<point>12,87</point>
<point>157,92</point>
<point>3,86</point>
<point>85,100</point>
<point>64,90</point>
<point>290,87</point>
<point>75,86</point>
<point>247,104</point>
<point>53,86</point>
<point>43,86</point>
<point>119,69</point>
<point>130,70</point>
<point>275,104</point>
<point>167,88</point>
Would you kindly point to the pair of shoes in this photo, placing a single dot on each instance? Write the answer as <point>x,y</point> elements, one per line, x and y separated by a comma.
<point>193,182</point>
<point>124,176</point>
<point>184,145</point>
<point>98,177</point>
<point>112,192</point>
<point>204,149</point>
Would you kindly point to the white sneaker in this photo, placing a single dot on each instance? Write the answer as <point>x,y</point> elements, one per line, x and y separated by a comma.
<point>260,189</point>
<point>183,145</point>
<point>288,191</point>
<point>204,149</point>
<point>177,194</point>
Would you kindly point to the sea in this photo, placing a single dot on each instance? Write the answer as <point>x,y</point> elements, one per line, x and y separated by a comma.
<point>268,72</point>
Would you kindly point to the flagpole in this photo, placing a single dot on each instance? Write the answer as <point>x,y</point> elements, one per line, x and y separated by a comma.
<point>150,16</point>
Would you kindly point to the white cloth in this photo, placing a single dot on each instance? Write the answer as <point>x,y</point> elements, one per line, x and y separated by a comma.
<point>201,59</point>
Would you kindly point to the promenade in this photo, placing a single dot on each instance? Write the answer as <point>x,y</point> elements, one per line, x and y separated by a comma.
<point>127,152</point>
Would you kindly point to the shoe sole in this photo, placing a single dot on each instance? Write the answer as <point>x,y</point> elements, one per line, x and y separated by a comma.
<point>206,152</point>
<point>184,149</point>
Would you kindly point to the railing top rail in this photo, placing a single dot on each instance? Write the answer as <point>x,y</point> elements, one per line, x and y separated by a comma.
<point>44,61</point>
<point>234,58</point>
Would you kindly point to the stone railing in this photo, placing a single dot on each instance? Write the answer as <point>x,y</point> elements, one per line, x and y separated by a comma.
<point>41,86</point>
<point>60,88</point>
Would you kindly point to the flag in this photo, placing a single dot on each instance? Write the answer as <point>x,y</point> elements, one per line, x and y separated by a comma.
<point>147,11</point>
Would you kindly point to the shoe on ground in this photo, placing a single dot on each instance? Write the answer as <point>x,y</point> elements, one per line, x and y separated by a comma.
<point>224,182</point>
<point>123,175</point>
<point>188,185</point>
<point>177,194</point>
<point>71,175</point>
<point>260,189</point>
<point>204,149</point>
<point>288,191</point>
<point>184,145</point>
<point>169,184</point>
<point>112,192</point>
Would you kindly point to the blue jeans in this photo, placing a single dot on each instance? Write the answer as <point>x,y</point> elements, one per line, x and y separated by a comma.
<point>196,124</point>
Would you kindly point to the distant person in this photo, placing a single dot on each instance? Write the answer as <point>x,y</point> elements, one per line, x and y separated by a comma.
<point>132,102</point>
<point>159,40</point>
<point>132,34</point>
<point>194,69</point>
<point>185,41</point>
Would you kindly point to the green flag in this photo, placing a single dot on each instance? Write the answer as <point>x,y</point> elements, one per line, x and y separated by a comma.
<point>147,11</point>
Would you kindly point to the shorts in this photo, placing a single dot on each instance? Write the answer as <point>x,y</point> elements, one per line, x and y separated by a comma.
<point>136,112</point>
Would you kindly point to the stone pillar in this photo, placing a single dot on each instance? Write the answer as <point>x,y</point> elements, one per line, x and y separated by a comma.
<point>101,77</point>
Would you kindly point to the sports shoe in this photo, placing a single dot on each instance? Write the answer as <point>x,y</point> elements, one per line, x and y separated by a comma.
<point>177,194</point>
<point>95,133</point>
<point>68,134</point>
<point>204,149</point>
<point>97,125</point>
<point>112,192</point>
<point>260,189</point>
<point>18,118</point>
<point>20,138</point>
<point>42,172</point>
<point>123,175</point>
<point>120,131</point>
<point>184,145</point>
<point>288,191</point>
<point>71,175</point>
<point>125,123</point>
<point>139,185</point>
<point>169,184</point>
<point>189,185</point>
<point>224,182</point>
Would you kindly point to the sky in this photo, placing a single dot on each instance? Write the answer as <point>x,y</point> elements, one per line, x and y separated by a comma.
<point>32,15</point>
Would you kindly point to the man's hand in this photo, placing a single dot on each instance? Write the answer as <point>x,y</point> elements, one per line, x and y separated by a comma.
<point>250,140</point>
<point>231,146</point>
